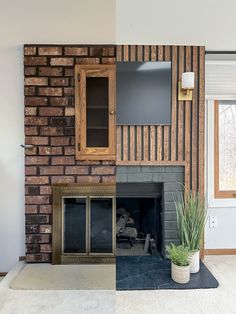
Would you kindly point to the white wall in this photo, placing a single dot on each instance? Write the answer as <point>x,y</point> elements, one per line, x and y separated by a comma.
<point>21,22</point>
<point>210,23</point>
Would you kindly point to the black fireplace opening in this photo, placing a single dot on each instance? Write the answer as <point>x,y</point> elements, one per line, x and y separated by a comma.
<point>139,219</point>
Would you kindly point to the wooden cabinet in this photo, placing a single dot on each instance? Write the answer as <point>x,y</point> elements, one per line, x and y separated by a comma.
<point>95,112</point>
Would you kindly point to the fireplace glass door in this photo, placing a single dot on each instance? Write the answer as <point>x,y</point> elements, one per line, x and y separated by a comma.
<point>101,216</point>
<point>88,225</point>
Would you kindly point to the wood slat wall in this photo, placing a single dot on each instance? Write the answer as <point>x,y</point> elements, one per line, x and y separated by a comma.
<point>183,141</point>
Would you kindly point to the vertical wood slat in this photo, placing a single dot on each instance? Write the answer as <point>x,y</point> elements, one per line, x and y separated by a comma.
<point>146,53</point>
<point>160,53</point>
<point>167,50</point>
<point>153,53</point>
<point>174,104</point>
<point>180,108</point>
<point>118,141</point>
<point>139,142</point>
<point>166,142</point>
<point>152,142</point>
<point>132,143</point>
<point>187,127</point>
<point>126,53</point>
<point>201,126</point>
<point>119,53</point>
<point>194,126</point>
<point>145,143</point>
<point>140,53</point>
<point>132,53</point>
<point>159,143</point>
<point>125,142</point>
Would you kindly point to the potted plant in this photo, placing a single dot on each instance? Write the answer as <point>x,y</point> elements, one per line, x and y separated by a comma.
<point>191,219</point>
<point>180,269</point>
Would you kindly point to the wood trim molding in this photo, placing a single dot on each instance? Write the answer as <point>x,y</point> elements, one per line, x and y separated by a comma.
<point>217,192</point>
<point>220,251</point>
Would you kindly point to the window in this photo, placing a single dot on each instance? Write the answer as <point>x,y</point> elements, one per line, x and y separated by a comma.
<point>225,149</point>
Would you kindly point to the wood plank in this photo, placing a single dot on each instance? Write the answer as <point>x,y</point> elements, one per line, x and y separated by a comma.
<point>220,251</point>
<point>140,53</point>
<point>160,53</point>
<point>152,142</point>
<point>166,142</point>
<point>138,142</point>
<point>167,53</point>
<point>159,143</point>
<point>126,52</point>
<point>119,53</point>
<point>125,142</point>
<point>194,121</point>
<point>146,53</point>
<point>153,53</point>
<point>118,139</point>
<point>201,126</point>
<point>146,143</point>
<point>174,70</point>
<point>132,53</point>
<point>188,127</point>
<point>180,108</point>
<point>132,142</point>
<point>151,163</point>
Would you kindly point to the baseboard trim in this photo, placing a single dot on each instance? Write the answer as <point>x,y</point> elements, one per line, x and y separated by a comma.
<point>220,251</point>
<point>2,274</point>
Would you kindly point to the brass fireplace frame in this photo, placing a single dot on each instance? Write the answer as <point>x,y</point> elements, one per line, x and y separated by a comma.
<point>61,191</point>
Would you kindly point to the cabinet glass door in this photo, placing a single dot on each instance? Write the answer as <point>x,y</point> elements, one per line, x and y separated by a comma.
<point>97,111</point>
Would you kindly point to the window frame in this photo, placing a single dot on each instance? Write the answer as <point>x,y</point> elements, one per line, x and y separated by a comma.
<point>217,192</point>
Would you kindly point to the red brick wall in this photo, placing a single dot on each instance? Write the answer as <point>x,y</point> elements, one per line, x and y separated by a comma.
<point>50,127</point>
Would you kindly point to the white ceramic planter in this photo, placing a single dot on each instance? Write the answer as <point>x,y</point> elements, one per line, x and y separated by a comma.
<point>195,262</point>
<point>180,274</point>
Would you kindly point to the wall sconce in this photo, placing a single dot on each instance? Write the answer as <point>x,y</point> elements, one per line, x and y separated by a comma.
<point>186,86</point>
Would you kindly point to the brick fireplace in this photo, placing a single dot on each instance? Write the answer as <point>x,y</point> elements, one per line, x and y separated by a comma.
<point>50,129</point>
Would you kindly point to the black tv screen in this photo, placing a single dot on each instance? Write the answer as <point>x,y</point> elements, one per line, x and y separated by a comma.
<point>143,93</point>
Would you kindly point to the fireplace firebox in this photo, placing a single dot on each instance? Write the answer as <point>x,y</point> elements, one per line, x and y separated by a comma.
<point>138,219</point>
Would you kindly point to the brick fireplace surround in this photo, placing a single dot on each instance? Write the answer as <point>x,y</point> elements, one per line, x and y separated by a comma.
<point>49,127</point>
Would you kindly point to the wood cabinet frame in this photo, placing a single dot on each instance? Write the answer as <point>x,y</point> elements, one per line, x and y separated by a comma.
<point>82,151</point>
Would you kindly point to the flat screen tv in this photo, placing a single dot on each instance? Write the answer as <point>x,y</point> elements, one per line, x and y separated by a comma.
<point>143,93</point>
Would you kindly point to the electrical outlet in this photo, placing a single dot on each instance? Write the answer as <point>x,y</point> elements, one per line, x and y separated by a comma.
<point>212,222</point>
